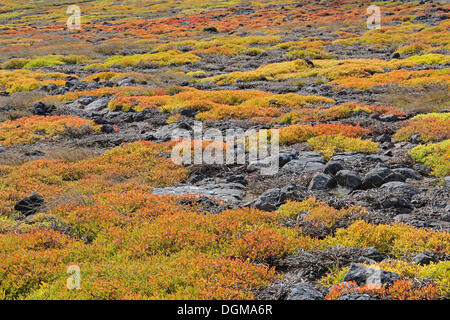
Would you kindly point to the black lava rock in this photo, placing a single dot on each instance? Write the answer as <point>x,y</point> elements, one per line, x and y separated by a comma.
<point>30,205</point>
<point>332,167</point>
<point>41,109</point>
<point>107,128</point>
<point>364,275</point>
<point>349,179</point>
<point>424,257</point>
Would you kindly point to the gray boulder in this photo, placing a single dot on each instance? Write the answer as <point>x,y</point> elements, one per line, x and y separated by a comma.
<point>168,132</point>
<point>424,257</point>
<point>371,180</point>
<point>304,291</point>
<point>269,200</point>
<point>333,167</point>
<point>374,254</point>
<point>98,104</point>
<point>400,188</point>
<point>348,179</point>
<point>126,82</point>
<point>408,173</point>
<point>364,275</point>
<point>84,101</point>
<point>272,198</point>
<point>229,192</point>
<point>321,181</point>
<point>301,166</point>
<point>352,295</point>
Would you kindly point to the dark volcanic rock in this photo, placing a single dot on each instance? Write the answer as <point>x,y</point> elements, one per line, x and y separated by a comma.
<point>272,198</point>
<point>321,181</point>
<point>408,173</point>
<point>364,275</point>
<point>107,128</point>
<point>98,104</point>
<point>389,118</point>
<point>348,179</point>
<point>305,162</point>
<point>424,257</point>
<point>372,180</point>
<point>357,296</point>
<point>41,109</point>
<point>210,29</point>
<point>373,254</point>
<point>378,176</point>
<point>269,200</point>
<point>30,205</point>
<point>304,291</point>
<point>401,188</point>
<point>332,167</point>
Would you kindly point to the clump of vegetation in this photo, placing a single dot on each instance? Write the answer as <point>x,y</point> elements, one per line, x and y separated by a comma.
<point>309,54</point>
<point>437,273</point>
<point>329,145</point>
<point>113,217</point>
<point>341,111</point>
<point>28,130</point>
<point>111,91</point>
<point>414,48</point>
<point>25,80</point>
<point>168,58</point>
<point>301,133</point>
<point>396,239</point>
<point>38,62</point>
<point>270,72</point>
<point>216,105</point>
<point>436,156</point>
<point>399,290</point>
<point>319,218</point>
<point>430,127</point>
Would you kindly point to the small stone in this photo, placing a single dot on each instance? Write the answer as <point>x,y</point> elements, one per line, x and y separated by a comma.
<point>366,260</point>
<point>447,181</point>
<point>126,82</point>
<point>383,138</point>
<point>210,29</point>
<point>445,217</point>
<point>389,118</point>
<point>415,138</point>
<point>107,128</point>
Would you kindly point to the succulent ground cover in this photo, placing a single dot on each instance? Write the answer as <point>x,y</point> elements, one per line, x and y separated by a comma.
<point>87,178</point>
